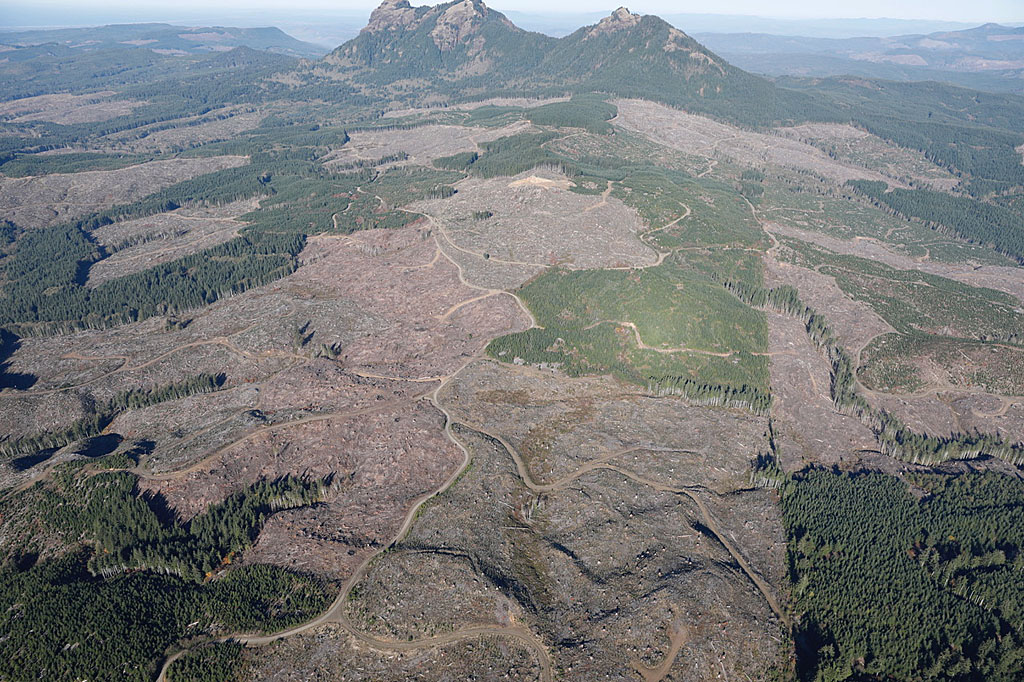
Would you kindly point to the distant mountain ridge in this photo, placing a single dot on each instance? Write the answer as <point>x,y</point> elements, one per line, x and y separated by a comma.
<point>166,39</point>
<point>989,56</point>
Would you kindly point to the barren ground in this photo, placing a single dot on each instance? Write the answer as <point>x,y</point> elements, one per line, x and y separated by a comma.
<point>696,134</point>
<point>1007,279</point>
<point>45,200</point>
<point>423,144</point>
<point>187,134</point>
<point>68,109</point>
<point>859,147</point>
<point>144,242</point>
<point>810,430</point>
<point>536,222</point>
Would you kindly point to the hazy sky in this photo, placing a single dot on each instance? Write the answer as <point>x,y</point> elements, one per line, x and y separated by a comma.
<point>948,10</point>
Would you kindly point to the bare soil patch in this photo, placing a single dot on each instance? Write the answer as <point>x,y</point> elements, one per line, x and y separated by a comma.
<point>535,221</point>
<point>992,414</point>
<point>809,429</point>
<point>524,102</point>
<point>68,109</point>
<point>601,569</point>
<point>854,322</point>
<point>144,242</point>
<point>42,201</point>
<point>431,321</point>
<point>698,135</point>
<point>382,461</point>
<point>331,655</point>
<point>423,144</point>
<point>859,147</point>
<point>1000,278</point>
<point>186,135</point>
<point>559,424</point>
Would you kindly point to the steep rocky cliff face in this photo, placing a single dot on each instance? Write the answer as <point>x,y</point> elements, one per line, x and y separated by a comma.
<point>453,41</point>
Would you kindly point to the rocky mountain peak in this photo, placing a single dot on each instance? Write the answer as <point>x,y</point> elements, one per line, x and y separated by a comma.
<point>619,20</point>
<point>391,15</point>
<point>457,22</point>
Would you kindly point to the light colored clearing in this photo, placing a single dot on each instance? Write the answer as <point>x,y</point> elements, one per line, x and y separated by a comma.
<point>537,181</point>
<point>680,634</point>
<point>537,222</point>
<point>703,136</point>
<point>144,242</point>
<point>68,109</point>
<point>1009,280</point>
<point>524,102</point>
<point>823,131</point>
<point>209,35</point>
<point>971,63</point>
<point>860,148</point>
<point>27,105</point>
<point>854,322</point>
<point>187,134</point>
<point>44,200</point>
<point>879,58</point>
<point>423,144</point>
<point>1020,150</point>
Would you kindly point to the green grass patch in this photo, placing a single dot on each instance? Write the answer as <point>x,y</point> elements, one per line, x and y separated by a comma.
<point>723,264</point>
<point>669,306</point>
<point>588,317</point>
<point>718,214</point>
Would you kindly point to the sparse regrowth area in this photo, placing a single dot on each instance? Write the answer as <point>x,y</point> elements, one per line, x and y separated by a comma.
<point>666,328</point>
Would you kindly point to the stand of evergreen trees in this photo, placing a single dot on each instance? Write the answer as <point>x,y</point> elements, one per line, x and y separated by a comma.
<point>45,277</point>
<point>217,662</point>
<point>711,395</point>
<point>128,535</point>
<point>971,219</point>
<point>133,580</point>
<point>894,586</point>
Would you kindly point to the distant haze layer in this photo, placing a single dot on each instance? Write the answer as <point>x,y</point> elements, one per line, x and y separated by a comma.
<point>331,23</point>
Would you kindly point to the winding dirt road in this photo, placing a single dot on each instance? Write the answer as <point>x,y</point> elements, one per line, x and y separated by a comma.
<point>336,613</point>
